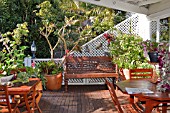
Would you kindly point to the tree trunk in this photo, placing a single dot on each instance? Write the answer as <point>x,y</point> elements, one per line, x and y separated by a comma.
<point>52,54</point>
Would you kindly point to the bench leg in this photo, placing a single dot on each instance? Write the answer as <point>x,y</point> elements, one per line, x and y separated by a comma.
<point>114,80</point>
<point>66,84</point>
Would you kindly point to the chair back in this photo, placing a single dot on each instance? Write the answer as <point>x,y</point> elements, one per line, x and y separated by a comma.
<point>4,97</point>
<point>140,73</point>
<point>113,95</point>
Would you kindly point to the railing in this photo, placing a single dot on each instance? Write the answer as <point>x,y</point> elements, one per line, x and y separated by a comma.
<point>38,60</point>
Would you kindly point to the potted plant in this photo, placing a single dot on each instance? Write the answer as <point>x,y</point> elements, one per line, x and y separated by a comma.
<point>151,48</point>
<point>127,52</point>
<point>12,54</point>
<point>51,70</point>
<point>52,73</point>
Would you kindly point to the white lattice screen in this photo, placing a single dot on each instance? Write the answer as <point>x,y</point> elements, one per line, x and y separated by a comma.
<point>153,28</point>
<point>130,25</point>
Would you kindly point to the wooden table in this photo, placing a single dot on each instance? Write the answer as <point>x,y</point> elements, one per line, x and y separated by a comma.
<point>152,99</point>
<point>24,90</point>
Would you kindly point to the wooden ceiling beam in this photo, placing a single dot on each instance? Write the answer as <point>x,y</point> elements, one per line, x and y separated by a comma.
<point>117,4</point>
<point>142,3</point>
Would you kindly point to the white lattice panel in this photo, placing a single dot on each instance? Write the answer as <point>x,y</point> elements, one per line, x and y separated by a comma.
<point>153,27</point>
<point>58,60</point>
<point>163,28</point>
<point>91,48</point>
<point>130,24</point>
<point>87,81</point>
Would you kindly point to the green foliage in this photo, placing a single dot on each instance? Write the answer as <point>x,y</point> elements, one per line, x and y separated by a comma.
<point>47,12</point>
<point>127,51</point>
<point>50,68</point>
<point>36,73</point>
<point>22,77</point>
<point>102,21</point>
<point>18,11</point>
<point>12,55</point>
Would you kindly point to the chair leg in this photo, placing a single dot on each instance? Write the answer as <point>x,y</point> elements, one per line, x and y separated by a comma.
<point>39,110</point>
<point>18,111</point>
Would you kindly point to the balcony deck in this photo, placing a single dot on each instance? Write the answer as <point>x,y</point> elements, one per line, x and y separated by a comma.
<point>79,99</point>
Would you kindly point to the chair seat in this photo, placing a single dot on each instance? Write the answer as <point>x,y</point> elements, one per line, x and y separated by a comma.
<point>30,101</point>
<point>4,107</point>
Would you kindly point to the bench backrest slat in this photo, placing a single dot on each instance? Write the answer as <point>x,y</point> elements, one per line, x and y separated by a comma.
<point>101,64</point>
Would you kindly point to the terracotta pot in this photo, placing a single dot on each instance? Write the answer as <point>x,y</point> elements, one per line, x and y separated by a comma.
<point>54,82</point>
<point>22,69</point>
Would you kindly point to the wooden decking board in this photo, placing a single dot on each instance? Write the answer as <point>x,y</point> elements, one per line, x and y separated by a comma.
<point>78,99</point>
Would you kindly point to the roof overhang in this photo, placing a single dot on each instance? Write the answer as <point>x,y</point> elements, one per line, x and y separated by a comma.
<point>154,9</point>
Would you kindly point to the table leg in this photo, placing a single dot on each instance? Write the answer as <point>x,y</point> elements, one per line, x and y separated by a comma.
<point>150,105</point>
<point>131,99</point>
<point>164,108</point>
<point>26,102</point>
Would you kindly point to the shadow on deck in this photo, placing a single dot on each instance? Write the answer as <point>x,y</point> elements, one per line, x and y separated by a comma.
<point>78,99</point>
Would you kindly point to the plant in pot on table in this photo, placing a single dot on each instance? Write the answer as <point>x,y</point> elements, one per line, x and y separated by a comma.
<point>127,52</point>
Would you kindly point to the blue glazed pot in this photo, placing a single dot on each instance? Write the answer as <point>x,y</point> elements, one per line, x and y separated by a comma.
<point>153,56</point>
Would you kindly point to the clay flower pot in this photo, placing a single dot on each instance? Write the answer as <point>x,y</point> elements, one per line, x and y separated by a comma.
<point>54,82</point>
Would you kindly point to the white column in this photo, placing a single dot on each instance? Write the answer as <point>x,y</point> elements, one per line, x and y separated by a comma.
<point>158,30</point>
<point>144,27</point>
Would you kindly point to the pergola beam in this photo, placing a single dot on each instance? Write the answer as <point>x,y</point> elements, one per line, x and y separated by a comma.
<point>117,4</point>
<point>160,15</point>
<point>142,3</point>
<point>159,10</point>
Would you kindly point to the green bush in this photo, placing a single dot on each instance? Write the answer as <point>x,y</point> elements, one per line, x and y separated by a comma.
<point>127,51</point>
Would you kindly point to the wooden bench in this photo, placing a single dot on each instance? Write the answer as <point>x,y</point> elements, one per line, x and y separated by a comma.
<point>89,67</point>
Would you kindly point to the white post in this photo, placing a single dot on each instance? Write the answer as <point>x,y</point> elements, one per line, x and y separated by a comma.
<point>158,30</point>
<point>27,61</point>
<point>144,27</point>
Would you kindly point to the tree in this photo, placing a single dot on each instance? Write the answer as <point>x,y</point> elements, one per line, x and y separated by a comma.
<point>47,15</point>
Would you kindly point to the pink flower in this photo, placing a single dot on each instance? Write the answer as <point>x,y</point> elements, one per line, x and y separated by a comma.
<point>33,64</point>
<point>67,51</point>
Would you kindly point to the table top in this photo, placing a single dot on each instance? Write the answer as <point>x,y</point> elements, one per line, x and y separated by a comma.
<point>161,96</point>
<point>20,88</point>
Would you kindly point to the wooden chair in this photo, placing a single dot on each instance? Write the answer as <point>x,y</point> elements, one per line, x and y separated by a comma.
<point>5,105</point>
<point>140,73</point>
<point>32,97</point>
<point>125,108</point>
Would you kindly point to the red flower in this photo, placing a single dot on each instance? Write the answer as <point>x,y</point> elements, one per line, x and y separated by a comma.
<point>67,51</point>
<point>33,64</point>
<point>108,37</point>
